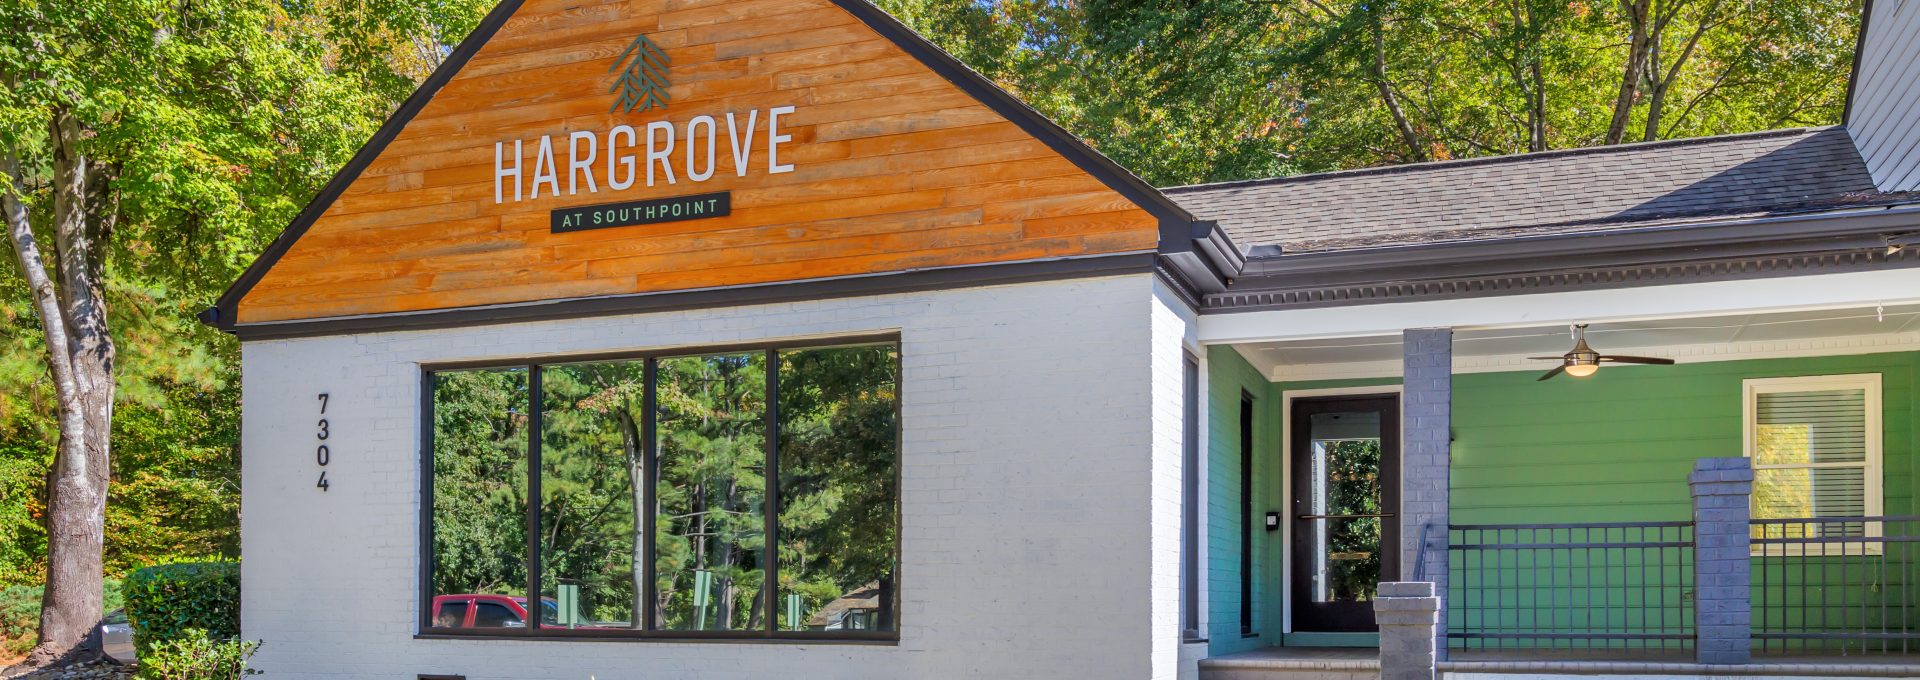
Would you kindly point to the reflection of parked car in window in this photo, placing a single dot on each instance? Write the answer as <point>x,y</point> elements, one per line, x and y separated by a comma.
<point>487,611</point>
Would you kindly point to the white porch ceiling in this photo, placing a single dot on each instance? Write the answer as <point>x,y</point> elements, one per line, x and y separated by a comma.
<point>1720,338</point>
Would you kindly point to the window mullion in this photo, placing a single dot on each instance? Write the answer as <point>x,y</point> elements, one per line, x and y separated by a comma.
<point>770,553</point>
<point>534,425</point>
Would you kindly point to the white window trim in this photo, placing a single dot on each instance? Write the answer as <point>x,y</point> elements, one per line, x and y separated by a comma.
<point>1874,472</point>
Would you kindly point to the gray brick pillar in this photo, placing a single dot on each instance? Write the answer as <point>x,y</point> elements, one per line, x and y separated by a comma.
<point>1722,577</point>
<point>1409,616</point>
<point>1426,424</point>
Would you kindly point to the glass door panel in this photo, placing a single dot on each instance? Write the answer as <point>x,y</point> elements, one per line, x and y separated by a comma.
<point>1345,502</point>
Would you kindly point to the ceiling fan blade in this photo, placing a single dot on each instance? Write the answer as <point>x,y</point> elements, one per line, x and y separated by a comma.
<point>1657,361</point>
<point>1557,370</point>
<point>1560,358</point>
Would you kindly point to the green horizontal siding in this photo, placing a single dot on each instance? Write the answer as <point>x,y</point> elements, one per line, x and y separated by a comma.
<point>1228,376</point>
<point>1613,447</point>
<point>1618,446</point>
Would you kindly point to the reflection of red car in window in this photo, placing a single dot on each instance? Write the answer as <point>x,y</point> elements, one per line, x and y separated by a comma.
<point>487,611</point>
<point>498,611</point>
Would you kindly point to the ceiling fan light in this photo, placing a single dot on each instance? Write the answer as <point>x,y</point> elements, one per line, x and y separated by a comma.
<point>1582,370</point>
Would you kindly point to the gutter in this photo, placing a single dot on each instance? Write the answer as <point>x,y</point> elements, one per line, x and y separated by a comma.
<point>1775,235</point>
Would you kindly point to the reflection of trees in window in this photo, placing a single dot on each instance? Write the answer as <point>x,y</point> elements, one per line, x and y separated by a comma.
<point>1813,452</point>
<point>706,439</point>
<point>1353,488</point>
<point>592,468</point>
<point>837,457</point>
<point>479,482</point>
<point>710,530</point>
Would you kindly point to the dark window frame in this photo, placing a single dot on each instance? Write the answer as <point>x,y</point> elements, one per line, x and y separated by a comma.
<point>1190,530</point>
<point>649,632</point>
<point>1247,414</point>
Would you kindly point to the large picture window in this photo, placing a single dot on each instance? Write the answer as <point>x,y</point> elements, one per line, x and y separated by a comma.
<point>744,493</point>
<point>1815,448</point>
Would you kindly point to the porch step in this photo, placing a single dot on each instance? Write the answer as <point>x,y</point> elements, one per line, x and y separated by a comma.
<point>1329,663</point>
<point>1294,663</point>
<point>1794,668</point>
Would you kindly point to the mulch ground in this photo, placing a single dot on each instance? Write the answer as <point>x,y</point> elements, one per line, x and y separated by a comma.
<point>92,670</point>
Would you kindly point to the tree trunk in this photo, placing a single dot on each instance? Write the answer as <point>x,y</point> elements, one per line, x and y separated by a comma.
<point>1660,81</point>
<point>1415,150</point>
<point>729,558</point>
<point>1537,109</point>
<point>1656,91</point>
<point>757,610</point>
<point>1636,12</point>
<point>80,355</point>
<point>637,482</point>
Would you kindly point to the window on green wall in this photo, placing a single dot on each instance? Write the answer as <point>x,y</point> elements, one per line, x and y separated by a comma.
<point>1815,446</point>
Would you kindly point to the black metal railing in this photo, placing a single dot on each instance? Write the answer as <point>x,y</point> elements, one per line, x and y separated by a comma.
<point>1836,585</point>
<point>1594,587</point>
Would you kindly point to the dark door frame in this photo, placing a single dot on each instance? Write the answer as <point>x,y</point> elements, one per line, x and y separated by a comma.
<point>1391,486</point>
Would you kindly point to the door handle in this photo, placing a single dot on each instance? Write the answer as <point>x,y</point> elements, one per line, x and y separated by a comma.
<point>1383,514</point>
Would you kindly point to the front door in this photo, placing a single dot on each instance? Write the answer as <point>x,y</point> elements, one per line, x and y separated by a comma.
<point>1346,501</point>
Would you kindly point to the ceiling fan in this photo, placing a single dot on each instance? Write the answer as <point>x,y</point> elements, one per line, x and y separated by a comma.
<point>1583,361</point>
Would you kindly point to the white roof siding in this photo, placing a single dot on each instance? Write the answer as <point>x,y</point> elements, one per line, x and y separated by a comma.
<point>1885,121</point>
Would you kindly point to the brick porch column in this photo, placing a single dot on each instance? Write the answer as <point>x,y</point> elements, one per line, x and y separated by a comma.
<point>1722,576</point>
<point>1407,613</point>
<point>1426,423</point>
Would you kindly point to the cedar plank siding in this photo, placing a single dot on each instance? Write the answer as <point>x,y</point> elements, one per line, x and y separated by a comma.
<point>894,169</point>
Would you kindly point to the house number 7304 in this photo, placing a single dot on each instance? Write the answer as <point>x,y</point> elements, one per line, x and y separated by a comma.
<point>321,454</point>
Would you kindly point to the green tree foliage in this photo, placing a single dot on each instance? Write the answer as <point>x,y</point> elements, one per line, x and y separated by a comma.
<point>1214,90</point>
<point>713,457</point>
<point>212,124</point>
<point>480,482</point>
<point>839,440</point>
<point>1352,468</point>
<point>153,148</point>
<point>592,469</point>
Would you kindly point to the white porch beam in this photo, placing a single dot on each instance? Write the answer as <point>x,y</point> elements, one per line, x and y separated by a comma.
<point>1716,298</point>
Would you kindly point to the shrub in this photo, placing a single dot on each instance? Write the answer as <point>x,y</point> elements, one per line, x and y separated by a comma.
<point>20,615</point>
<point>195,656</point>
<point>165,602</point>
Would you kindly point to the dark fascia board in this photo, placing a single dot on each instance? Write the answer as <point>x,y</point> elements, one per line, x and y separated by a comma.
<point>1564,279</point>
<point>1859,48</point>
<point>1221,253</point>
<point>732,296</point>
<point>1212,261</point>
<point>1757,236</point>
<point>1175,221</point>
<point>224,312</point>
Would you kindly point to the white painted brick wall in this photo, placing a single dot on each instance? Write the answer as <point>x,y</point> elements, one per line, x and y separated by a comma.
<point>1174,335</point>
<point>1040,509</point>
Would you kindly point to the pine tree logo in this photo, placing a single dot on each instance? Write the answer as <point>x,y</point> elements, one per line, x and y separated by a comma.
<point>642,83</point>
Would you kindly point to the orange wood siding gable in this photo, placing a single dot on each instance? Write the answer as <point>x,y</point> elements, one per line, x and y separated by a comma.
<point>892,168</point>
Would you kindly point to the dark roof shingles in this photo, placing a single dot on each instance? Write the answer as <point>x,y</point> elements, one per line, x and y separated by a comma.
<point>1576,190</point>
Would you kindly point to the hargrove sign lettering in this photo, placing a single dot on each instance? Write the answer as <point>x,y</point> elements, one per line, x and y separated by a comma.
<point>700,206</point>
<point>655,153</point>
<point>690,152</point>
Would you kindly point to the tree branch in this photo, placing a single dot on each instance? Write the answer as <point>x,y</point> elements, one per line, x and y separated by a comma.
<point>33,268</point>
<point>1407,133</point>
